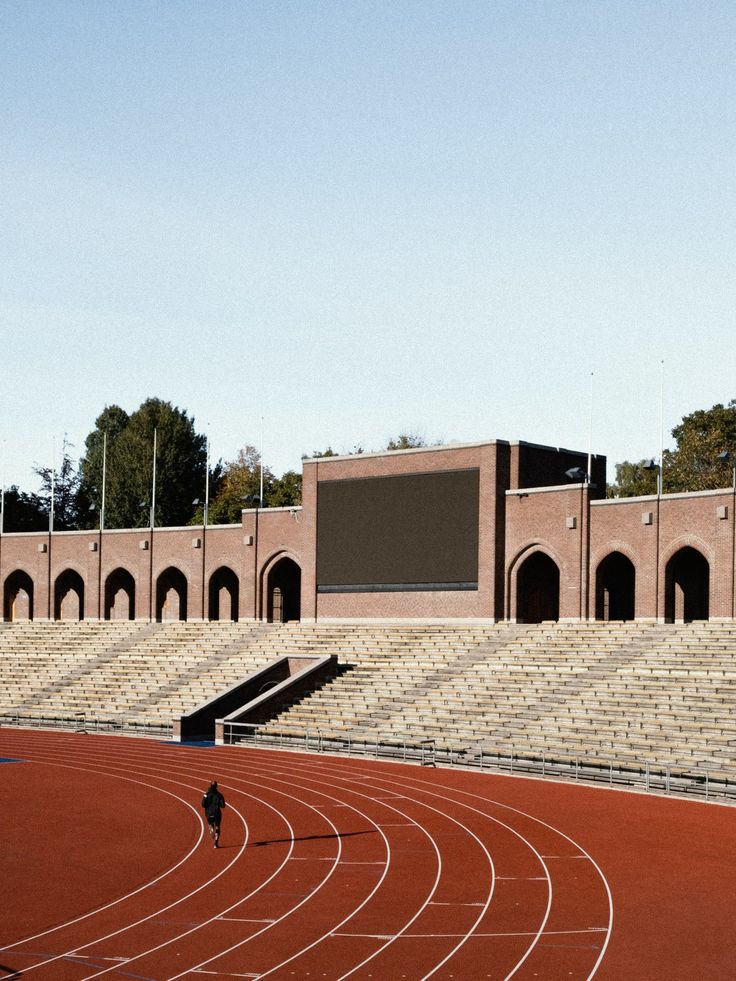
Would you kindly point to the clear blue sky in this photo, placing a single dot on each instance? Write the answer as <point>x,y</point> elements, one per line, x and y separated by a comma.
<point>363,218</point>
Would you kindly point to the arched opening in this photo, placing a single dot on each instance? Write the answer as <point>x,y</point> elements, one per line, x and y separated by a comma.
<point>120,596</point>
<point>537,590</point>
<point>615,583</point>
<point>224,593</point>
<point>686,587</point>
<point>69,596</point>
<point>171,595</point>
<point>18,596</point>
<point>284,591</point>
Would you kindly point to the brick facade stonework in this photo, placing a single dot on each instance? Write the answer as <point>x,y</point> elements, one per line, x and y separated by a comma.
<point>680,550</point>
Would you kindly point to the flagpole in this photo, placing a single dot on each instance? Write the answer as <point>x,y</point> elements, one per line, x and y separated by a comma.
<point>660,475</point>
<point>207,480</point>
<point>590,431</point>
<point>104,475</point>
<point>261,461</point>
<point>53,484</point>
<point>153,485</point>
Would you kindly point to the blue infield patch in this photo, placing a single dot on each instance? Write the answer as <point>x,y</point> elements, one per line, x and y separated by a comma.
<point>9,759</point>
<point>191,742</point>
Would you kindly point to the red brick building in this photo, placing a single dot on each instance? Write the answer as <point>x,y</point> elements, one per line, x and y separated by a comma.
<point>495,531</point>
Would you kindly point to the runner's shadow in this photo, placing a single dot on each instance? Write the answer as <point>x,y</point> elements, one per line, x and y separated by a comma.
<point>343,834</point>
<point>10,972</point>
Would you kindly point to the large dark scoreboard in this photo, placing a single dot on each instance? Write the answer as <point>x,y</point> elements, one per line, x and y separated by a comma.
<point>398,533</point>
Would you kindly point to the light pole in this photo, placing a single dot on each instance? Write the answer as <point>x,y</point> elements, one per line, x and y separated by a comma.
<point>255,501</point>
<point>196,502</point>
<point>579,476</point>
<point>727,457</point>
<point>653,465</point>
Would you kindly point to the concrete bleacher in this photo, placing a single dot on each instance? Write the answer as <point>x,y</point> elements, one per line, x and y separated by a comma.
<point>638,691</point>
<point>627,691</point>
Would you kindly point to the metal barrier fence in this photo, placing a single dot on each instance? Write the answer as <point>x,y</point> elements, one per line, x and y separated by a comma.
<point>86,722</point>
<point>645,775</point>
<point>414,749</point>
<point>708,784</point>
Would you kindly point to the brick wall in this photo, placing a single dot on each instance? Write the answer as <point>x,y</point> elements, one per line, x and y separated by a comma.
<point>514,523</point>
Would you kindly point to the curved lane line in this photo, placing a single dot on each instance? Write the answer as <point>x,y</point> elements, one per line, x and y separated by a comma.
<point>562,834</point>
<point>240,900</point>
<point>134,892</point>
<point>300,768</point>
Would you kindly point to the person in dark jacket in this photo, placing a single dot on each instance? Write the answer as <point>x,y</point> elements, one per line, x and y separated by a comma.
<point>213,803</point>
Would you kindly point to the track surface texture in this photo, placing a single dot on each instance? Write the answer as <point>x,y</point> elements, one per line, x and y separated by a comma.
<point>340,868</point>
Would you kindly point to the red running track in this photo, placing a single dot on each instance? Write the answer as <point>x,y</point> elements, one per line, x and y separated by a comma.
<point>340,868</point>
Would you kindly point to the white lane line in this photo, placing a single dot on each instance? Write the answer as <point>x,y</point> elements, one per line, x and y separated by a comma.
<point>74,952</point>
<point>521,878</point>
<point>381,778</point>
<point>521,933</point>
<point>272,789</point>
<point>244,919</point>
<point>459,904</point>
<point>134,892</point>
<point>228,974</point>
<point>308,767</point>
<point>251,765</point>
<point>241,899</point>
<point>362,863</point>
<point>417,783</point>
<point>310,858</point>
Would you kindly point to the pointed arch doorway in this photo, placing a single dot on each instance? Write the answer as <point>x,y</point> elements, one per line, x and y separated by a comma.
<point>283,591</point>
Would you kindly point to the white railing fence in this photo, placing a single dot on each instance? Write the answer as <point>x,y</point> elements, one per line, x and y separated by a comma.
<point>708,783</point>
<point>647,775</point>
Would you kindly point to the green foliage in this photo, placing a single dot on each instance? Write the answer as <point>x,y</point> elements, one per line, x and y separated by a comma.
<point>633,480</point>
<point>693,465</point>
<point>180,465</point>
<point>700,437</point>
<point>24,512</point>
<point>240,487</point>
<point>317,454</point>
<point>65,484</point>
<point>285,491</point>
<point>406,441</point>
<point>111,421</point>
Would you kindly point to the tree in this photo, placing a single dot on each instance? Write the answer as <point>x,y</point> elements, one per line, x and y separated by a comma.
<point>700,438</point>
<point>24,512</point>
<point>286,491</point>
<point>406,441</point>
<point>318,454</point>
<point>694,464</point>
<point>101,443</point>
<point>181,462</point>
<point>633,480</point>
<point>65,485</point>
<point>240,487</point>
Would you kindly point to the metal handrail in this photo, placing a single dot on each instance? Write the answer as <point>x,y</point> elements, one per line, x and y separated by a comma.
<point>647,775</point>
<point>85,722</point>
<point>652,777</point>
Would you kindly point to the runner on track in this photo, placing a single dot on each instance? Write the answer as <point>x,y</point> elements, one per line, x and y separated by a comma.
<point>213,803</point>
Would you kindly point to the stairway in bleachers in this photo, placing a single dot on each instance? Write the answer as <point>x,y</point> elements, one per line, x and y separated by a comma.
<point>664,693</point>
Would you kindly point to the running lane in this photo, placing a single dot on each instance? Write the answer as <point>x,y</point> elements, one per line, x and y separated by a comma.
<point>337,868</point>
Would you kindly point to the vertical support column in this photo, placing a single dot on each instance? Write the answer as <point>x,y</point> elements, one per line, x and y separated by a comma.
<point>310,486</point>
<point>585,571</point>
